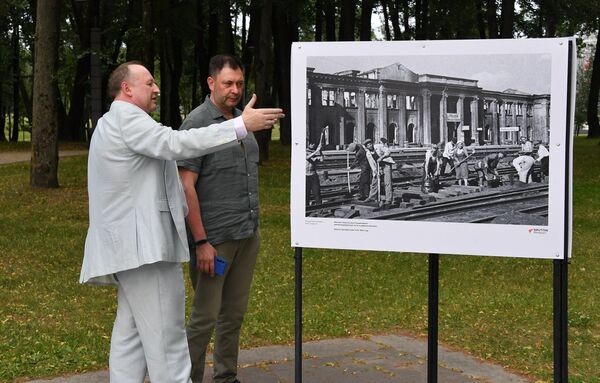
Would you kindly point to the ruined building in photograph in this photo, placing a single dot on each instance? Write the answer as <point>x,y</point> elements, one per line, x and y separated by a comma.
<point>411,109</point>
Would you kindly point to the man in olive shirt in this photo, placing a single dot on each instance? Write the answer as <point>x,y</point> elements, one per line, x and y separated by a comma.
<point>221,190</point>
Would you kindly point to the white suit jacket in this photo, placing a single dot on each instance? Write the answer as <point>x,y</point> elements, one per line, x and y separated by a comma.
<point>136,202</point>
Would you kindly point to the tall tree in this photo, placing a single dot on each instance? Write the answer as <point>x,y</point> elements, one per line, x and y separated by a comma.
<point>329,20</point>
<point>16,67</point>
<point>492,19</point>
<point>262,59</point>
<point>405,17</point>
<point>347,20</point>
<point>175,23</point>
<point>386,21</point>
<point>318,20</point>
<point>507,19</point>
<point>422,19</point>
<point>149,51</point>
<point>479,5</point>
<point>365,20</point>
<point>285,31</point>
<point>199,67</point>
<point>394,15</point>
<point>592,106</point>
<point>44,136</point>
<point>73,129</point>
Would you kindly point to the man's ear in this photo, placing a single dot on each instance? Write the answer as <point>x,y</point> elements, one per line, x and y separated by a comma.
<point>125,89</point>
<point>211,83</point>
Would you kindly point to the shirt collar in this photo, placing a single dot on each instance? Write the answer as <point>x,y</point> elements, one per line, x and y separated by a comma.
<point>215,113</point>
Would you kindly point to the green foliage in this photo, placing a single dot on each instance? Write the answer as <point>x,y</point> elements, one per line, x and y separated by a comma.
<point>584,78</point>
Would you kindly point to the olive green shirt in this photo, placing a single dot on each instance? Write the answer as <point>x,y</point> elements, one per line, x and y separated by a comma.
<point>227,185</point>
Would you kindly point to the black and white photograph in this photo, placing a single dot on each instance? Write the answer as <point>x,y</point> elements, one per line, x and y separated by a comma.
<point>447,135</point>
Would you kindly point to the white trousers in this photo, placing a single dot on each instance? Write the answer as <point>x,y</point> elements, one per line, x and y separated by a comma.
<point>149,330</point>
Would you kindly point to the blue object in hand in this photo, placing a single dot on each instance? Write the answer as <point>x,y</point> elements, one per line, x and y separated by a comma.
<point>220,265</point>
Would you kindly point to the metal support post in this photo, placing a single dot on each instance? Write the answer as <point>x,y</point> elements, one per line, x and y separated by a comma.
<point>432,323</point>
<point>298,323</point>
<point>561,324</point>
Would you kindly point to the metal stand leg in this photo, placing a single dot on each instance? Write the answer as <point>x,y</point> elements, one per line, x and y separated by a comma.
<point>432,332</point>
<point>561,360</point>
<point>298,324</point>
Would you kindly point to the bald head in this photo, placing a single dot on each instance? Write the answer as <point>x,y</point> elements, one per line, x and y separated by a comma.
<point>132,82</point>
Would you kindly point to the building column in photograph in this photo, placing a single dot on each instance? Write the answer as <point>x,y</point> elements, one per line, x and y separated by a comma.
<point>339,99</point>
<point>401,119</point>
<point>495,132</point>
<point>360,129</point>
<point>475,119</point>
<point>546,126</point>
<point>444,117</point>
<point>502,104</point>
<point>426,95</point>
<point>513,122</point>
<point>382,115</point>
<point>460,112</point>
<point>418,136</point>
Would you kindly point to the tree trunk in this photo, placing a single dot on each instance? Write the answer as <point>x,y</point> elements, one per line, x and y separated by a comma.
<point>425,17</point>
<point>319,20</point>
<point>200,69</point>
<point>148,52</point>
<point>508,19</point>
<point>347,20</point>
<point>226,30</point>
<point>386,21</point>
<point>406,18</point>
<point>592,109</point>
<point>250,49</point>
<point>262,77</point>
<point>285,30</point>
<point>329,20</point>
<point>2,119</point>
<point>74,127</point>
<point>170,75</point>
<point>16,67</point>
<point>394,16</point>
<point>421,19</point>
<point>44,137</point>
<point>551,13</point>
<point>26,99</point>
<point>480,18</point>
<point>492,19</point>
<point>213,31</point>
<point>365,20</point>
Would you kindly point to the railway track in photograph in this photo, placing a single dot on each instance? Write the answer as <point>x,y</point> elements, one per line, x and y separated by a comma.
<point>478,208</point>
<point>512,202</point>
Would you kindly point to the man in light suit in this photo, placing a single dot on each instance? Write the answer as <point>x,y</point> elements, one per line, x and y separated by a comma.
<point>136,238</point>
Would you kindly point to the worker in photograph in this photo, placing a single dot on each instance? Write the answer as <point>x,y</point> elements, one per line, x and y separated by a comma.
<point>385,162</point>
<point>487,168</point>
<point>461,168</point>
<point>314,156</point>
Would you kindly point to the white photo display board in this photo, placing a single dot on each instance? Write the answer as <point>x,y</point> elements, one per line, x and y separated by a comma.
<point>442,111</point>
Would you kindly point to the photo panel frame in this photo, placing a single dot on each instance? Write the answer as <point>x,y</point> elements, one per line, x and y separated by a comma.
<point>415,95</point>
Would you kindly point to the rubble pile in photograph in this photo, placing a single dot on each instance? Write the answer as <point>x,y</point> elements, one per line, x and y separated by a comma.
<point>500,199</point>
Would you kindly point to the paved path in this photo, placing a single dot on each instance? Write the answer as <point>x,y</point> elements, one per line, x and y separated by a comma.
<point>374,359</point>
<point>10,157</point>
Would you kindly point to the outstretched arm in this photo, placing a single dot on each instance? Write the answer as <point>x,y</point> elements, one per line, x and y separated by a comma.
<point>260,118</point>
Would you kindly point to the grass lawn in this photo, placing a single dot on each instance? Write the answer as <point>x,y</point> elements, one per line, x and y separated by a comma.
<point>498,309</point>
